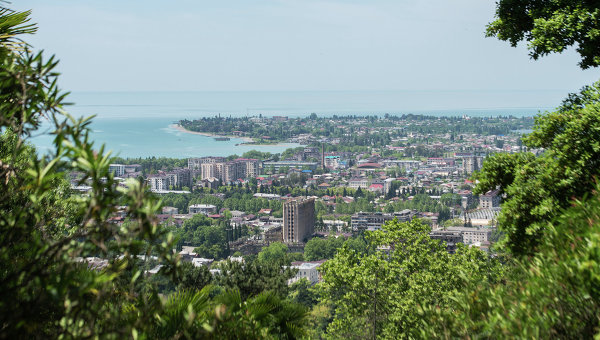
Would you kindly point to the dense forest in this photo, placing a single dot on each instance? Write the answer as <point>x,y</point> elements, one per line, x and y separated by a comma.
<point>392,283</point>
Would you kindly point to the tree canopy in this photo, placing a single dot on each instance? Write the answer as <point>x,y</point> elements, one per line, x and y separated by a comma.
<point>550,26</point>
<point>376,293</point>
<point>537,188</point>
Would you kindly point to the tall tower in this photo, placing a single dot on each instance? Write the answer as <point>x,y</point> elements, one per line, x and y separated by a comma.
<point>298,219</point>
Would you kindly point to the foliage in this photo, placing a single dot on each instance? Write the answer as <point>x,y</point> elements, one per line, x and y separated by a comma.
<point>322,248</point>
<point>276,252</point>
<point>375,293</point>
<point>536,188</point>
<point>151,165</point>
<point>45,230</point>
<point>303,292</point>
<point>550,26</point>
<point>193,277</point>
<point>424,203</point>
<point>195,315</point>
<point>554,294</point>
<point>253,276</point>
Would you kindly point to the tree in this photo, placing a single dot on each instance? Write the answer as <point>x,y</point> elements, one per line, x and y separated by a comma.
<point>553,294</point>
<point>537,188</point>
<point>254,276</point>
<point>193,277</point>
<point>274,253</point>
<point>46,290</point>
<point>322,248</point>
<point>376,292</point>
<point>550,26</point>
<point>195,315</point>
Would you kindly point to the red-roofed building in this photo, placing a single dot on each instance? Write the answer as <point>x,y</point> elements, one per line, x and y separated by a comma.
<point>376,188</point>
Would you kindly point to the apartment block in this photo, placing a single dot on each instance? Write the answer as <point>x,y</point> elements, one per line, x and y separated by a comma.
<point>298,219</point>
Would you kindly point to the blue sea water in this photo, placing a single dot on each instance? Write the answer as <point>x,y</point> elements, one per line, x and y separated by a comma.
<point>137,124</point>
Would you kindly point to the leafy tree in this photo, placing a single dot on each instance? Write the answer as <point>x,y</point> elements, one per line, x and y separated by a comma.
<point>537,188</point>
<point>322,248</point>
<point>451,200</point>
<point>375,293</point>
<point>253,277</point>
<point>550,26</point>
<point>274,253</point>
<point>302,292</point>
<point>46,290</point>
<point>553,294</point>
<point>195,315</point>
<point>193,277</point>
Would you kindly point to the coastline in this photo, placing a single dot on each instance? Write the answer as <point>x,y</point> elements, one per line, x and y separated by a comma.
<point>208,134</point>
<point>246,140</point>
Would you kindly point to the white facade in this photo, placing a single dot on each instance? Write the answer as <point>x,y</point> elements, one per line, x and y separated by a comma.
<point>306,270</point>
<point>117,169</point>
<point>159,183</point>
<point>205,209</point>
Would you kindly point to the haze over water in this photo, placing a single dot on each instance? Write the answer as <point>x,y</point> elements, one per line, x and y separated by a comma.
<point>136,124</point>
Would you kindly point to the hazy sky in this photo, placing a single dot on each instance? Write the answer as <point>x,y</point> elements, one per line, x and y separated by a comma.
<point>190,45</point>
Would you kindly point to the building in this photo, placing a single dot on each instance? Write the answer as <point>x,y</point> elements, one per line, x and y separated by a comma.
<point>473,235</point>
<point>158,183</point>
<point>195,164</point>
<point>231,171</point>
<point>298,219</point>
<point>204,209</point>
<point>374,221</point>
<point>450,237</point>
<point>472,164</point>
<point>307,270</point>
<point>276,166</point>
<point>439,162</point>
<point>210,182</point>
<point>359,182</point>
<point>332,162</point>
<point>170,210</point>
<point>117,169</point>
<point>179,178</point>
<point>490,199</point>
<point>311,152</point>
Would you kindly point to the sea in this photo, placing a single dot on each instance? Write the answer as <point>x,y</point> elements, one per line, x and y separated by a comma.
<point>139,124</point>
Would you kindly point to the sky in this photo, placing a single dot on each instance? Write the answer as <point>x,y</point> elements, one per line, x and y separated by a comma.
<point>289,45</point>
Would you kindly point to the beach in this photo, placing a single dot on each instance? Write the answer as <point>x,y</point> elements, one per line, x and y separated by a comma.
<point>207,134</point>
<point>247,140</point>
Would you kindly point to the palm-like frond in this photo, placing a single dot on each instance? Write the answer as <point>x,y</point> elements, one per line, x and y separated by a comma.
<point>183,312</point>
<point>13,24</point>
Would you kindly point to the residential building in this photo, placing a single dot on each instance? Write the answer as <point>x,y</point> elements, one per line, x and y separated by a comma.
<point>117,169</point>
<point>490,199</point>
<point>204,209</point>
<point>359,182</point>
<point>298,219</point>
<point>307,270</point>
<point>158,183</point>
<point>450,237</point>
<point>473,235</point>
<point>374,221</point>
<point>290,165</point>
<point>240,168</point>
<point>472,164</point>
<point>195,164</point>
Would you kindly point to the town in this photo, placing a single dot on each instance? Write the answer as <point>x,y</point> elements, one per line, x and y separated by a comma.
<point>353,175</point>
